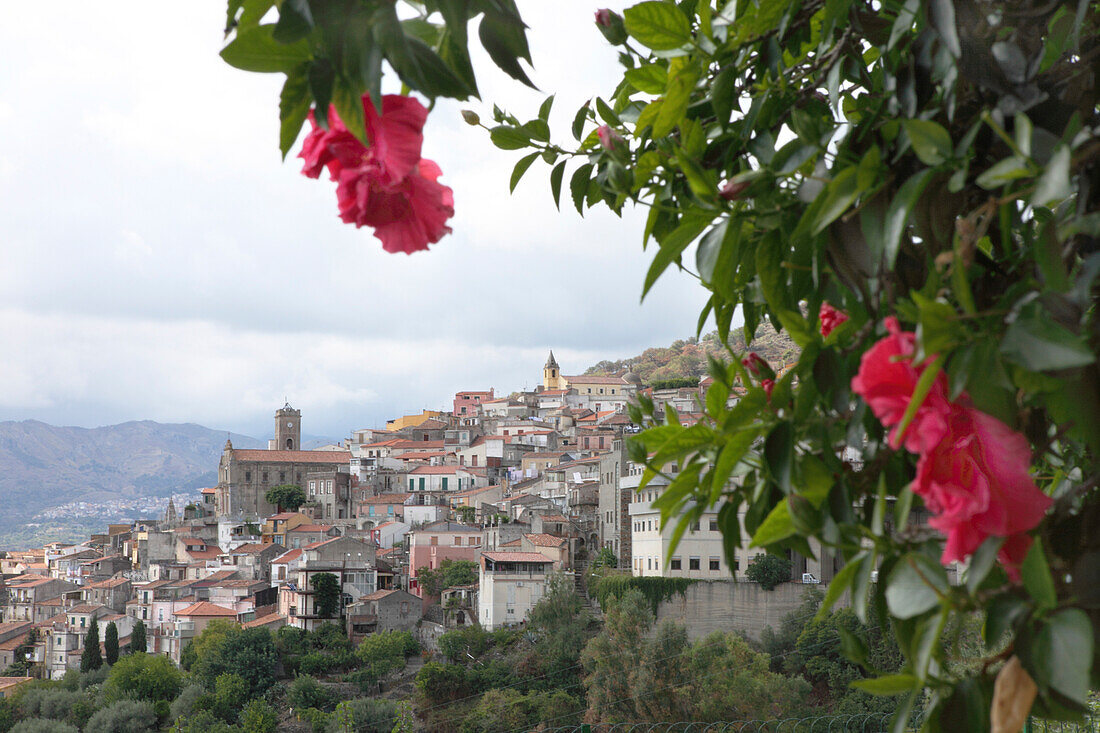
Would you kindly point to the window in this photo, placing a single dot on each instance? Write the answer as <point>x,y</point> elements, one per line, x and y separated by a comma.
<point>674,564</point>
<point>458,541</point>
<point>714,525</point>
<point>411,485</point>
<point>421,483</point>
<point>695,526</point>
<point>247,475</point>
<point>444,483</point>
<point>282,476</point>
<point>312,488</point>
<point>714,563</point>
<point>433,541</point>
<point>693,563</point>
<point>649,563</point>
<point>265,477</point>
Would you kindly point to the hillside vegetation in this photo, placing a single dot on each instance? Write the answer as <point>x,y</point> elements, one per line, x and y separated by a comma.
<point>685,358</point>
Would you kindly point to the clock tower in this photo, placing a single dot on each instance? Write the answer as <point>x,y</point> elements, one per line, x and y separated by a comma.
<point>288,428</point>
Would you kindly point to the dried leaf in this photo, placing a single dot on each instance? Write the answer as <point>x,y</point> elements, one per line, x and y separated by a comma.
<point>1013,693</point>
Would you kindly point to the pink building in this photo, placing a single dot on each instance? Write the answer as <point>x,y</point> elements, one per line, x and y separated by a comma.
<point>429,546</point>
<point>469,403</point>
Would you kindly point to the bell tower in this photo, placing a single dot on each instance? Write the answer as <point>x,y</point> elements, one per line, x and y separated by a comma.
<point>288,428</point>
<point>551,373</point>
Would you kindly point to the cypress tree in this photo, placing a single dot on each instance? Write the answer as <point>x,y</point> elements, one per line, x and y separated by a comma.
<point>137,638</point>
<point>110,643</point>
<point>91,658</point>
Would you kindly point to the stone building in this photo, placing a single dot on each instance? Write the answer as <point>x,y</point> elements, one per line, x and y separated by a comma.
<point>244,476</point>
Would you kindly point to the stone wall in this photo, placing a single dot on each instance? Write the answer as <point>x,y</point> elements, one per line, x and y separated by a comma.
<point>734,606</point>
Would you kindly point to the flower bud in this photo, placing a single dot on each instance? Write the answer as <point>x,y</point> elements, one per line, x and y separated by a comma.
<point>733,190</point>
<point>830,318</point>
<point>757,366</point>
<point>611,26</point>
<point>471,117</point>
<point>610,139</point>
<point>768,385</point>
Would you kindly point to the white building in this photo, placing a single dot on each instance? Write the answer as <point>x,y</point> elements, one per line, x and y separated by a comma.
<point>510,584</point>
<point>699,553</point>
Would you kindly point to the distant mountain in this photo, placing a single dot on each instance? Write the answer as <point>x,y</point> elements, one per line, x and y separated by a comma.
<point>685,358</point>
<point>44,466</point>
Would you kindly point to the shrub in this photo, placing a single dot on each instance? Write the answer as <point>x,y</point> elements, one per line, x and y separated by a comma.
<point>306,692</point>
<point>188,702</point>
<point>203,722</point>
<point>259,717</point>
<point>125,716</point>
<point>319,719</point>
<point>363,715</point>
<point>230,690</point>
<point>292,640</point>
<point>321,663</point>
<point>55,703</point>
<point>387,645</point>
<point>768,570</point>
<point>228,648</point>
<point>144,677</point>
<point>42,725</point>
<point>328,636</point>
<point>472,640</point>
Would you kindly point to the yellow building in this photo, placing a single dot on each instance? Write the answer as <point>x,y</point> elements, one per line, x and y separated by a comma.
<point>588,384</point>
<point>411,421</point>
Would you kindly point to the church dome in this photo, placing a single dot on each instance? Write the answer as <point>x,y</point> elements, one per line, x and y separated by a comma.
<point>632,378</point>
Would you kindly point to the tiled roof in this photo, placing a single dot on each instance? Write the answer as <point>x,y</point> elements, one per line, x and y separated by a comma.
<point>252,548</point>
<point>377,595</point>
<point>205,608</point>
<point>437,470</point>
<point>263,621</point>
<point>209,491</point>
<point>545,540</point>
<point>512,543</point>
<point>293,456</point>
<point>445,526</point>
<point>592,379</point>
<point>516,557</point>
<point>85,608</point>
<point>310,528</point>
<point>285,515</point>
<point>471,492</point>
<point>555,518</point>
<point>287,557</point>
<point>109,583</point>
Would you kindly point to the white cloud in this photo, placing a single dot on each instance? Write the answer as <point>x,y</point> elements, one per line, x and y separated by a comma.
<point>142,197</point>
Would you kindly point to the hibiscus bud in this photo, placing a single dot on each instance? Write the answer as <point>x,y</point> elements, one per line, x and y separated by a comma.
<point>611,26</point>
<point>471,117</point>
<point>609,138</point>
<point>1013,693</point>
<point>830,319</point>
<point>768,385</point>
<point>733,190</point>
<point>757,366</point>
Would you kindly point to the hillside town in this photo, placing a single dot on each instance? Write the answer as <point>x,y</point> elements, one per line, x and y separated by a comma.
<point>522,486</point>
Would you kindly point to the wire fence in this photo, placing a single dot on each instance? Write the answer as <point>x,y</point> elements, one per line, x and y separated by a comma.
<point>860,723</point>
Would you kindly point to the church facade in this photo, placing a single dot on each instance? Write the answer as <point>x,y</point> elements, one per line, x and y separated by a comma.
<point>588,384</point>
<point>246,475</point>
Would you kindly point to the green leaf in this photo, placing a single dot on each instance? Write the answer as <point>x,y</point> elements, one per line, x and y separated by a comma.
<point>578,122</point>
<point>897,215</point>
<point>555,183</point>
<point>1037,578</point>
<point>672,246</point>
<point>507,137</point>
<point>1054,184</point>
<point>255,49</point>
<point>650,79</point>
<point>1000,615</point>
<point>658,25</point>
<point>1006,171</point>
<point>891,684</point>
<point>505,41</point>
<point>545,107</point>
<point>295,21</point>
<point>349,106</point>
<point>676,99</point>
<point>732,452</point>
<point>322,80</point>
<point>981,562</point>
<point>538,129</point>
<point>853,648</point>
<point>839,584</point>
<point>914,586</point>
<point>293,109</point>
<point>1062,654</point>
<point>775,527</point>
<point>607,114</point>
<point>1034,341</point>
<point>779,454</point>
<point>521,168</point>
<point>578,185</point>
<point>839,195</point>
<point>931,142</point>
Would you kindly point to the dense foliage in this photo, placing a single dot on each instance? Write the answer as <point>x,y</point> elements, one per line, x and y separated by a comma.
<point>449,574</point>
<point>285,497</point>
<point>768,570</point>
<point>326,594</point>
<point>92,657</point>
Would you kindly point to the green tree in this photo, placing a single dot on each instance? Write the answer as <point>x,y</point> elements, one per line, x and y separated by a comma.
<point>326,594</point>
<point>559,624</point>
<point>91,658</point>
<point>605,558</point>
<point>142,676</point>
<point>124,716</point>
<point>110,643</point>
<point>768,570</point>
<point>259,717</point>
<point>613,655</point>
<point>229,649</point>
<point>449,574</point>
<point>285,497</point>
<point>727,680</point>
<point>137,637</point>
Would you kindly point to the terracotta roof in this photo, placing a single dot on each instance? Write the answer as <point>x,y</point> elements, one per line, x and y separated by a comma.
<point>555,518</point>
<point>310,528</point>
<point>592,379</point>
<point>420,455</point>
<point>431,424</point>
<point>516,557</point>
<point>209,491</point>
<point>292,456</point>
<point>287,557</point>
<point>251,548</point>
<point>263,621</point>
<point>286,515</point>
<point>545,540</point>
<point>109,583</point>
<point>511,543</point>
<point>471,492</point>
<point>85,608</point>
<point>205,608</point>
<point>377,595</point>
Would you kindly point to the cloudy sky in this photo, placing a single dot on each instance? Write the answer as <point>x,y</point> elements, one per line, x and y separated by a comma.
<point>158,260</point>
